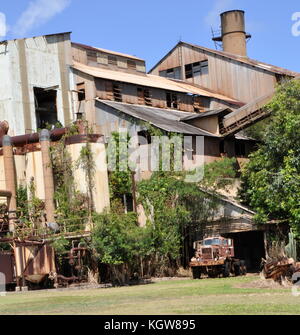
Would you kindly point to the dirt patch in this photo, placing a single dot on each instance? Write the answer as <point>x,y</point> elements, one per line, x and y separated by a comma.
<point>159,279</point>
<point>265,284</point>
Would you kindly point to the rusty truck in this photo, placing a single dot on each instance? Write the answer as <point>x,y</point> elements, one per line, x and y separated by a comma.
<point>214,257</point>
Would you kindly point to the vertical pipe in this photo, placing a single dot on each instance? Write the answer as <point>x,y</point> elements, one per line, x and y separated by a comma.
<point>134,191</point>
<point>10,180</point>
<point>48,175</point>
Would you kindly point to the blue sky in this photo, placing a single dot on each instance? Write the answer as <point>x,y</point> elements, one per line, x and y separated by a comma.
<point>149,29</point>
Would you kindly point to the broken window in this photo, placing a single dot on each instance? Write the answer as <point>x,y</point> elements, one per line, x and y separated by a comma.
<point>91,56</point>
<point>131,64</point>
<point>81,97</point>
<point>188,71</point>
<point>198,104</point>
<point>113,91</point>
<point>45,107</point>
<point>112,60</point>
<point>172,100</point>
<point>222,147</point>
<point>174,73</point>
<point>240,148</point>
<point>109,90</point>
<point>196,69</point>
<point>117,92</point>
<point>144,97</point>
<point>146,134</point>
<point>81,91</point>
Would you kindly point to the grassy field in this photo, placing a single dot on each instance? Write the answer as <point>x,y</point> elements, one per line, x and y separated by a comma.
<point>207,296</point>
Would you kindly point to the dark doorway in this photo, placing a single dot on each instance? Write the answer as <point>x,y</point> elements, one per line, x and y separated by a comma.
<point>250,247</point>
<point>45,107</point>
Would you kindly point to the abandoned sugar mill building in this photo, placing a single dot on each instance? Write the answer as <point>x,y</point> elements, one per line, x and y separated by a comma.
<point>53,82</point>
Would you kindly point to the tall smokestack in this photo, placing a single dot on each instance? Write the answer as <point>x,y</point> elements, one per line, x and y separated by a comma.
<point>234,37</point>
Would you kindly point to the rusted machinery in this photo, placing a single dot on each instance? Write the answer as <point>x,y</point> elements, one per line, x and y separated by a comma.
<point>214,256</point>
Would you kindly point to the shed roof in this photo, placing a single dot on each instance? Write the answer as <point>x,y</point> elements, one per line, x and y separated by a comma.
<point>241,59</point>
<point>165,119</point>
<point>106,51</point>
<point>150,81</point>
<point>46,35</point>
<point>227,199</point>
<point>218,111</point>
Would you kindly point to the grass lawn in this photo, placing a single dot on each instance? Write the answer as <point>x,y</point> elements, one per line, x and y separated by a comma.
<point>206,296</point>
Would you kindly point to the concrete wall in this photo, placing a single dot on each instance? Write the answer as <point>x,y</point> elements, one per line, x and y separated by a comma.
<point>100,183</point>
<point>34,169</point>
<point>28,167</point>
<point>34,62</point>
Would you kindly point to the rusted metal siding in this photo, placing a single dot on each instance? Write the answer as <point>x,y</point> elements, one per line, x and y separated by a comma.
<point>129,95</point>
<point>7,266</point>
<point>100,58</point>
<point>226,76</point>
<point>35,262</point>
<point>152,81</point>
<point>158,96</point>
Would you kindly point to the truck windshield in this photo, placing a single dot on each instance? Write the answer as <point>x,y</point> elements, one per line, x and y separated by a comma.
<point>213,241</point>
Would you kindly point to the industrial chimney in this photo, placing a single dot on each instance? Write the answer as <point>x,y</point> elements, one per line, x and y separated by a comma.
<point>234,37</point>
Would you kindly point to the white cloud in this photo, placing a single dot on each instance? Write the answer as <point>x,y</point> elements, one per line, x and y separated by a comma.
<point>37,13</point>
<point>3,29</point>
<point>213,17</point>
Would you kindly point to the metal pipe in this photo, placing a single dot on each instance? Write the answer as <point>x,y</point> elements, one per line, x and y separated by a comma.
<point>21,140</point>
<point>4,126</point>
<point>48,175</point>
<point>5,193</point>
<point>10,180</point>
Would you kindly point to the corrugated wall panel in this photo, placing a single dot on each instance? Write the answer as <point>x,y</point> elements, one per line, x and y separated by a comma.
<point>240,81</point>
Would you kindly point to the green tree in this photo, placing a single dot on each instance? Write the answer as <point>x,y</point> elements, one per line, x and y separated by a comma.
<point>271,180</point>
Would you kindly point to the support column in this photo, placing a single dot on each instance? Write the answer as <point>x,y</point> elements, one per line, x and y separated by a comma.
<point>10,180</point>
<point>48,175</point>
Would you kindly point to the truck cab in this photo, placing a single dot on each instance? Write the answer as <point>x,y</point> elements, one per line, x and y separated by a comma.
<point>214,248</point>
<point>214,256</point>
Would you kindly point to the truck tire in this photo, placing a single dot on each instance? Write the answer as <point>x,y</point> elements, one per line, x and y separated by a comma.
<point>237,268</point>
<point>243,268</point>
<point>226,270</point>
<point>196,272</point>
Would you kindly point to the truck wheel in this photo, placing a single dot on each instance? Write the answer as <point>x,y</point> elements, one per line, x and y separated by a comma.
<point>237,268</point>
<point>243,268</point>
<point>226,270</point>
<point>196,273</point>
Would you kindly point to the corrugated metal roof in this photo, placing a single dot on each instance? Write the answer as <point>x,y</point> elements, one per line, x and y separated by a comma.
<point>206,114</point>
<point>46,35</point>
<point>243,137</point>
<point>106,51</point>
<point>227,199</point>
<point>165,119</point>
<point>149,81</point>
<point>241,59</point>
